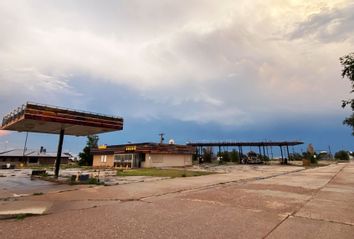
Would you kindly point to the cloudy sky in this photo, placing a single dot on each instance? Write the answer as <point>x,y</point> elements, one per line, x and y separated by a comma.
<point>196,70</point>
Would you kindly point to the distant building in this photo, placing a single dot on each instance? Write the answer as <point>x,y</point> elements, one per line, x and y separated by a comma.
<point>16,157</point>
<point>143,155</point>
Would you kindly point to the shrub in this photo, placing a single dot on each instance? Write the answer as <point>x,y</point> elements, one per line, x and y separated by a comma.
<point>93,181</point>
<point>207,154</point>
<point>311,157</point>
<point>342,155</point>
<point>234,156</point>
<point>296,157</point>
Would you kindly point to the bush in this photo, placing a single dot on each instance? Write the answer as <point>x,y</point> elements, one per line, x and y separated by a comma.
<point>342,155</point>
<point>311,157</point>
<point>207,154</point>
<point>264,158</point>
<point>296,157</point>
<point>227,156</point>
<point>93,181</point>
<point>234,156</point>
<point>224,156</point>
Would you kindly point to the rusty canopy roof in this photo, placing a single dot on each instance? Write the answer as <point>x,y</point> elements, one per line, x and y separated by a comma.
<point>148,147</point>
<point>33,117</point>
<point>235,143</point>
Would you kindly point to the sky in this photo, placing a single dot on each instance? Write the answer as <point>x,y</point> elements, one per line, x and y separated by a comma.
<point>197,70</point>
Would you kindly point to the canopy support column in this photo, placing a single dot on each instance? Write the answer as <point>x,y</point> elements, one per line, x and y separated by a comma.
<point>287,150</point>
<point>282,155</point>
<point>60,147</point>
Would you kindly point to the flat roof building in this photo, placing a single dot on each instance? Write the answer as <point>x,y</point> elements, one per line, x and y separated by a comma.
<point>143,155</point>
<point>17,157</point>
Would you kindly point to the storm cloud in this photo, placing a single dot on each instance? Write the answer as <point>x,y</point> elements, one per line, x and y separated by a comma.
<point>227,62</point>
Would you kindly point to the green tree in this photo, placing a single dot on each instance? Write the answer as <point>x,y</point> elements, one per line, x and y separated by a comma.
<point>295,157</point>
<point>86,158</point>
<point>341,155</point>
<point>207,154</point>
<point>224,156</point>
<point>348,72</point>
<point>234,156</point>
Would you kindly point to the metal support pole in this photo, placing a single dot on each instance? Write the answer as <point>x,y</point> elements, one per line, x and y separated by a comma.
<point>25,146</point>
<point>264,153</point>
<point>60,147</point>
<point>239,154</point>
<point>259,151</point>
<point>197,154</point>
<point>242,155</point>
<point>282,156</point>
<point>25,149</point>
<point>287,150</point>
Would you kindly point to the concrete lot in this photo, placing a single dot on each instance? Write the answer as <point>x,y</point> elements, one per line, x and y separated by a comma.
<point>241,202</point>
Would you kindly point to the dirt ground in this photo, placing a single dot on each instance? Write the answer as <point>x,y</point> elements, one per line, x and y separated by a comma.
<point>240,202</point>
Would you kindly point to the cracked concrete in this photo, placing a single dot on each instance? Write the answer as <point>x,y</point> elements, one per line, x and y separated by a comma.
<point>252,202</point>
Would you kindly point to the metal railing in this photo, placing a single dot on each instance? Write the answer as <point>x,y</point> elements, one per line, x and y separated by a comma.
<point>15,114</point>
<point>18,112</point>
<point>73,110</point>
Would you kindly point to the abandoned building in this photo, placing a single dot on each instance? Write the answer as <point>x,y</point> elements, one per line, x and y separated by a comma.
<point>18,157</point>
<point>143,155</point>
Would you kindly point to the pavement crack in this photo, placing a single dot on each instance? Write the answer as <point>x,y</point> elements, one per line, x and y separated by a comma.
<point>293,214</point>
<point>276,226</point>
<point>315,193</point>
<point>324,220</point>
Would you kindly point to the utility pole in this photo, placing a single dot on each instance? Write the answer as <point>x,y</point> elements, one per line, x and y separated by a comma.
<point>161,137</point>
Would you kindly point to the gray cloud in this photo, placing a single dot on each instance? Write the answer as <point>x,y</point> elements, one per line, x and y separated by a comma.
<point>330,25</point>
<point>205,61</point>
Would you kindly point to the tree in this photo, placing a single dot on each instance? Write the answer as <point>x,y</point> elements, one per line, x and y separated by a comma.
<point>235,156</point>
<point>207,154</point>
<point>348,72</point>
<point>86,156</point>
<point>295,157</point>
<point>224,156</point>
<point>341,155</point>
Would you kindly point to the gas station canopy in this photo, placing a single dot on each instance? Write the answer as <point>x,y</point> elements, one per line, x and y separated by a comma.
<point>33,117</point>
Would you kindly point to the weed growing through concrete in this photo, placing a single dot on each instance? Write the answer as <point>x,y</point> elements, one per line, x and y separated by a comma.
<point>37,194</point>
<point>21,216</point>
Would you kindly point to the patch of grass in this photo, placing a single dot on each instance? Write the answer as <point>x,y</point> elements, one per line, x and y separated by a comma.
<point>62,166</point>
<point>21,216</point>
<point>156,172</point>
<point>44,174</point>
<point>91,181</point>
<point>37,194</point>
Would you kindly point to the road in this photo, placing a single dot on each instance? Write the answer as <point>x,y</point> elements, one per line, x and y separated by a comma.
<point>248,202</point>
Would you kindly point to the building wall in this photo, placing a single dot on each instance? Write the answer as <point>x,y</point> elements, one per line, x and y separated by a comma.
<point>18,161</point>
<point>151,160</point>
<point>167,160</point>
<point>12,161</point>
<point>51,160</point>
<point>97,162</point>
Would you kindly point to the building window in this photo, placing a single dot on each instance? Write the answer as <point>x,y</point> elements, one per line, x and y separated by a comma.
<point>103,158</point>
<point>126,158</point>
<point>33,160</point>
